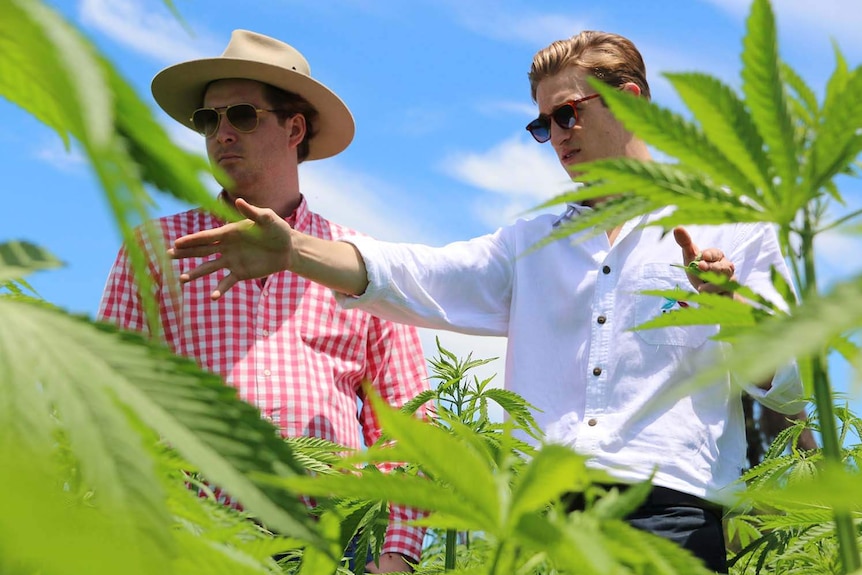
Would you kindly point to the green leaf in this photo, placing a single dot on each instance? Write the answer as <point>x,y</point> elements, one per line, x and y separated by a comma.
<point>808,108</point>
<point>553,471</point>
<point>576,546</point>
<point>88,376</point>
<point>398,488</point>
<point>712,309</point>
<point>764,95</point>
<point>773,343</point>
<point>832,487</point>
<point>671,134</point>
<point>47,529</point>
<point>18,259</point>
<point>728,126</point>
<point>51,72</point>
<point>639,549</point>
<point>837,142</point>
<point>444,457</point>
<point>517,408</point>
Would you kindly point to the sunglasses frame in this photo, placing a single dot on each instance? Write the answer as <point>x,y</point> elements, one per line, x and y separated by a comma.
<point>544,120</point>
<point>223,111</point>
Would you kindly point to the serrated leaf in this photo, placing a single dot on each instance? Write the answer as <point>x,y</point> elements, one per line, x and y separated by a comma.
<point>766,100</point>
<point>46,529</point>
<point>673,135</point>
<point>518,409</point>
<point>575,547</point>
<point>401,489</point>
<point>50,72</point>
<point>18,259</point>
<point>444,457</point>
<point>837,141</point>
<point>807,98</point>
<point>52,361</point>
<point>712,309</point>
<point>553,471</point>
<point>772,344</point>
<point>727,124</point>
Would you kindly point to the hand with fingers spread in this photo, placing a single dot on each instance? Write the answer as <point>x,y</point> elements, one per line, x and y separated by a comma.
<point>710,259</point>
<point>256,247</point>
<point>265,244</point>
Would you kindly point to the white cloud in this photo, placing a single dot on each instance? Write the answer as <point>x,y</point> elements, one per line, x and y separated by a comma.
<point>526,109</point>
<point>510,23</point>
<point>57,156</point>
<point>841,19</point>
<point>837,256</point>
<point>150,30</point>
<point>357,201</point>
<point>520,172</point>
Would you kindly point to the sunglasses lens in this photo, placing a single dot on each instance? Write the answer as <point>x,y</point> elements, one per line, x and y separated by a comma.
<point>205,121</point>
<point>540,128</point>
<point>566,116</point>
<point>243,117</point>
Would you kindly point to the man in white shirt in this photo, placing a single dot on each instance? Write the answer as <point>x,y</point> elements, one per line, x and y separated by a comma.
<point>567,308</point>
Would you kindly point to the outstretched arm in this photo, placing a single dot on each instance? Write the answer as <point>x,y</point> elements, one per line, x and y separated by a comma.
<point>265,244</point>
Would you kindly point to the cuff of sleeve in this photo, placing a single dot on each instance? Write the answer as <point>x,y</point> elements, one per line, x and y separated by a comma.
<point>377,277</point>
<point>785,394</point>
<point>404,539</point>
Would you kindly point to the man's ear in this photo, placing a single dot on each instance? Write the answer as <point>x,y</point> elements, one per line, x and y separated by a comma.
<point>631,87</point>
<point>297,128</point>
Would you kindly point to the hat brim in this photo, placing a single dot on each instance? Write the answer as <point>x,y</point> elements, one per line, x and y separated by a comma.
<point>179,90</point>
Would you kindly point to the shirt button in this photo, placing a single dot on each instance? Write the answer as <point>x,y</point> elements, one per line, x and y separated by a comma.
<point>601,320</point>
<point>267,373</point>
<point>592,422</point>
<point>597,371</point>
<point>265,333</point>
<point>606,270</point>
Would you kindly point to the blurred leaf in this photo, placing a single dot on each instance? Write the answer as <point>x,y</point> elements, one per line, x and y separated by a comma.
<point>553,471</point>
<point>46,529</point>
<point>83,376</point>
<point>18,259</point>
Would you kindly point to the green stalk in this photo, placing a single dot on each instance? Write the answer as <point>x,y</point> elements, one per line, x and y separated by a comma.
<point>845,530</point>
<point>451,543</point>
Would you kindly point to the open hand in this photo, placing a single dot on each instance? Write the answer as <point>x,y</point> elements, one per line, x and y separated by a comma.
<point>256,247</point>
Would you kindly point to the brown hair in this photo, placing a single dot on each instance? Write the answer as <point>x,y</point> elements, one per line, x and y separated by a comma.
<point>611,58</point>
<point>288,104</point>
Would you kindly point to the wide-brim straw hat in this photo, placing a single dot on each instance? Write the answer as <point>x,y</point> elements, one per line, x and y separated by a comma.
<point>179,89</point>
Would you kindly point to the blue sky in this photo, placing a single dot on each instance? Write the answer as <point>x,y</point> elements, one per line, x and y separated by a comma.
<point>439,92</point>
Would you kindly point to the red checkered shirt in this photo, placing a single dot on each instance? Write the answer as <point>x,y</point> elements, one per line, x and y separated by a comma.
<point>284,343</point>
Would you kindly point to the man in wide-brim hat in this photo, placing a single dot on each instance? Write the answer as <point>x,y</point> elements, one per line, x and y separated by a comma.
<point>283,342</point>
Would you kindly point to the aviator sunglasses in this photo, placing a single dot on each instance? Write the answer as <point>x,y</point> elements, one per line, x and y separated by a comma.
<point>244,117</point>
<point>565,116</point>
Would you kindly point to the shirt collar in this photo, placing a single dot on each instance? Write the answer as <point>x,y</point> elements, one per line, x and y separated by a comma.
<point>298,220</point>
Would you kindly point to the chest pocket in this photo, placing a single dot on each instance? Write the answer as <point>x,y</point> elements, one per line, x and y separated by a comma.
<point>663,276</point>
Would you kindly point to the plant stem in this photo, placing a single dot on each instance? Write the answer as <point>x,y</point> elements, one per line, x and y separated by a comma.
<point>451,543</point>
<point>844,529</point>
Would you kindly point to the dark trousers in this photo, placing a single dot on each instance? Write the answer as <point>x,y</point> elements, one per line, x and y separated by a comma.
<point>690,522</point>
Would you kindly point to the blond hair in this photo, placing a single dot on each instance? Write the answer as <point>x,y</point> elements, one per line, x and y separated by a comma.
<point>611,58</point>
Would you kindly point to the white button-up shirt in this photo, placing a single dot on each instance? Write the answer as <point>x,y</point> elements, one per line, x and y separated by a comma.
<point>568,310</point>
